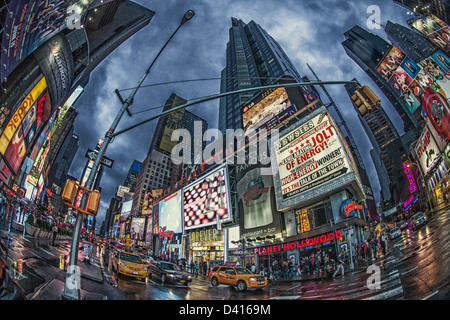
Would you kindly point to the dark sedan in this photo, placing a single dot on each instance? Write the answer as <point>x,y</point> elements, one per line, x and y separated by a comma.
<point>168,273</point>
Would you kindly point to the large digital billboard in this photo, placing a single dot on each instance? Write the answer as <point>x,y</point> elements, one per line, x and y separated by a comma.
<point>32,22</point>
<point>170,214</point>
<point>435,29</point>
<point>149,198</point>
<point>137,228</point>
<point>259,216</point>
<point>306,158</point>
<point>427,150</point>
<point>276,105</point>
<point>205,199</point>
<point>22,127</point>
<point>424,86</point>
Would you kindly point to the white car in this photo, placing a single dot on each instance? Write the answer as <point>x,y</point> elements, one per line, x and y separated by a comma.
<point>395,233</point>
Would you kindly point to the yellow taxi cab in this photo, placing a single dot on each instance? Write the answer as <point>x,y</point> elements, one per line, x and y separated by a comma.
<point>240,277</point>
<point>130,264</point>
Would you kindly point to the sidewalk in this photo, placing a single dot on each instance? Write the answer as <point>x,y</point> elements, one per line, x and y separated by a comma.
<point>53,288</point>
<point>90,269</point>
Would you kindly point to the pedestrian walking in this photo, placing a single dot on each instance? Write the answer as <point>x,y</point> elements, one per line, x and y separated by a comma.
<point>196,270</point>
<point>299,268</point>
<point>55,232</point>
<point>340,265</point>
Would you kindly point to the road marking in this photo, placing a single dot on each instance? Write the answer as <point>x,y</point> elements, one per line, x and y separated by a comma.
<point>430,295</point>
<point>285,297</point>
<point>409,271</point>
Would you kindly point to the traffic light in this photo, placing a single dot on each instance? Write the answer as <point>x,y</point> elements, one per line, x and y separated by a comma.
<point>365,100</point>
<point>93,201</point>
<point>372,97</point>
<point>70,191</point>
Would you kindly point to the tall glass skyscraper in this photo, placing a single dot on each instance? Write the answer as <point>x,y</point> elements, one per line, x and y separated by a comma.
<point>414,44</point>
<point>368,50</point>
<point>253,59</point>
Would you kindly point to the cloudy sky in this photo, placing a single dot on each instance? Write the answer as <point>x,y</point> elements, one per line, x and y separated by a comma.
<point>309,31</point>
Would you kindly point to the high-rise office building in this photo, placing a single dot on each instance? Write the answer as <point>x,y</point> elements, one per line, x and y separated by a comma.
<point>253,59</point>
<point>158,171</point>
<point>440,8</point>
<point>132,176</point>
<point>368,51</point>
<point>414,44</point>
<point>55,61</point>
<point>381,132</point>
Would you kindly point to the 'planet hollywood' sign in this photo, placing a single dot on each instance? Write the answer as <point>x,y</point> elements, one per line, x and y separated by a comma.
<point>299,244</point>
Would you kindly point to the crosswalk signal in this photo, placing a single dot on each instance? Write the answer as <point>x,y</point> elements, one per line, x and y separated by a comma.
<point>376,102</point>
<point>93,201</point>
<point>70,191</point>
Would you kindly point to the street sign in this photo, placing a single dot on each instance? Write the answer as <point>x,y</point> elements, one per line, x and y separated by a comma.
<point>92,154</point>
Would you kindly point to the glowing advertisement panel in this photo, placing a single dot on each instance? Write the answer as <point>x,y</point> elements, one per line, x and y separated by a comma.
<point>137,228</point>
<point>31,23</point>
<point>306,158</point>
<point>423,86</point>
<point>206,199</point>
<point>20,113</point>
<point>435,29</point>
<point>170,214</point>
<point>426,151</point>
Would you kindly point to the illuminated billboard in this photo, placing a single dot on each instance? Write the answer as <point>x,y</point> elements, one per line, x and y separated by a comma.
<point>435,29</point>
<point>20,113</point>
<point>205,199</point>
<point>149,198</point>
<point>170,214</point>
<point>275,106</point>
<point>424,86</point>
<point>426,151</point>
<point>126,210</point>
<point>137,228</point>
<point>256,196</point>
<point>31,23</point>
<point>306,158</point>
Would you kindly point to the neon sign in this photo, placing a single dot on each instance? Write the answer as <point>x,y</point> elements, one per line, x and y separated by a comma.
<point>163,233</point>
<point>409,175</point>
<point>299,244</point>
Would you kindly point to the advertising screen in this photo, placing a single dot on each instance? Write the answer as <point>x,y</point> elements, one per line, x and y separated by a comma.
<point>149,198</point>
<point>137,228</point>
<point>308,156</point>
<point>149,229</point>
<point>20,113</point>
<point>276,105</point>
<point>426,151</point>
<point>206,199</point>
<point>170,213</point>
<point>126,210</point>
<point>425,85</point>
<point>30,24</point>
<point>435,29</point>
<point>259,216</point>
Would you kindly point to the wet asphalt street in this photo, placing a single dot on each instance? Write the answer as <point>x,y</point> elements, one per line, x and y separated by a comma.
<point>416,268</point>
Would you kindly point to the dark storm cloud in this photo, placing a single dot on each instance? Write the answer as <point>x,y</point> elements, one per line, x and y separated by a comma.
<point>309,32</point>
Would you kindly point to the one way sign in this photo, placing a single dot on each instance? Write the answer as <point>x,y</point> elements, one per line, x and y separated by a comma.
<point>92,154</point>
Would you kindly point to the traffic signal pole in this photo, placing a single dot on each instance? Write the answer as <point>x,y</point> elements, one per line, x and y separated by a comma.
<point>71,286</point>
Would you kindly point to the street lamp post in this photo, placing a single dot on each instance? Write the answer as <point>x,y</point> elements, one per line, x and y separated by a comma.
<point>71,289</point>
